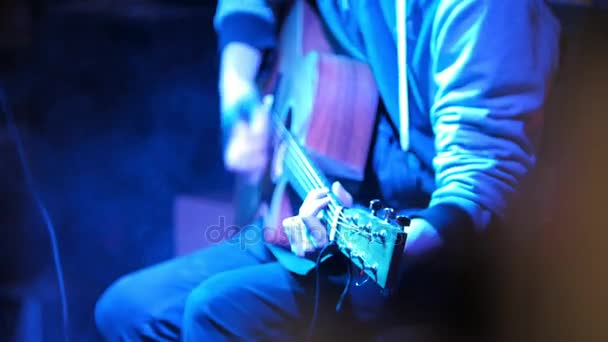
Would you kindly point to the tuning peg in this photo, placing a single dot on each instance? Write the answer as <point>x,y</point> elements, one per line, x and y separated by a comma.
<point>388,214</point>
<point>375,206</point>
<point>403,221</point>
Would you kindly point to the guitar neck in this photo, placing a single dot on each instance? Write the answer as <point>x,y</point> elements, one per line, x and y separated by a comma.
<point>372,244</point>
<point>303,175</point>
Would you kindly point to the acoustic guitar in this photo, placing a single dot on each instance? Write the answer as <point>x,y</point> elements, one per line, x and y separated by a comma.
<point>323,116</point>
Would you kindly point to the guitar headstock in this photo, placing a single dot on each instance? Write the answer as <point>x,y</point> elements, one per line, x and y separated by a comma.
<point>373,240</point>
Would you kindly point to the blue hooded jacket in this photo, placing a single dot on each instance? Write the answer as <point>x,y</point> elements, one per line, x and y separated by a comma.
<point>478,74</point>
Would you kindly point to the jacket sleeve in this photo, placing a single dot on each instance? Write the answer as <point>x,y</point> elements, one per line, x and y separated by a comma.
<point>492,61</point>
<point>245,21</point>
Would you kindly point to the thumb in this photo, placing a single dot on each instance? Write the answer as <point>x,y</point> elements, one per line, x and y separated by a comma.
<point>344,196</point>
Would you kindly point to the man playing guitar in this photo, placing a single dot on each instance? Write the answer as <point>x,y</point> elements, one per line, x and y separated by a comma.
<point>462,86</point>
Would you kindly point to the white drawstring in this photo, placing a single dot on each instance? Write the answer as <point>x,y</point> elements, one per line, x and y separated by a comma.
<point>403,96</point>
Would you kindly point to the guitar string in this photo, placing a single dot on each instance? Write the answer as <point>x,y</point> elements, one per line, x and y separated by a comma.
<point>290,139</point>
<point>336,215</point>
<point>305,165</point>
<point>310,178</point>
<point>342,220</point>
<point>281,130</point>
<point>304,178</point>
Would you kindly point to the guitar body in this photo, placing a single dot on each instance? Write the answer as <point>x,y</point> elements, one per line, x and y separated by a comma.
<point>331,100</point>
<point>328,101</point>
<point>323,118</point>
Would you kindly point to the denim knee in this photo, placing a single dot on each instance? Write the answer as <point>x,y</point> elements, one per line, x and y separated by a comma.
<point>117,311</point>
<point>207,307</point>
<point>199,305</point>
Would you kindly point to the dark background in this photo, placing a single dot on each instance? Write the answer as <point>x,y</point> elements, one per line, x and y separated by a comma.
<point>116,103</point>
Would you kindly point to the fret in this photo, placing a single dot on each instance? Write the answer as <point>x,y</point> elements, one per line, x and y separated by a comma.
<point>300,180</point>
<point>303,175</point>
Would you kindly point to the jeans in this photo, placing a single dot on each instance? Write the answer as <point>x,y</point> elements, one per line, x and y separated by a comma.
<point>232,291</point>
<point>238,291</point>
<point>225,292</point>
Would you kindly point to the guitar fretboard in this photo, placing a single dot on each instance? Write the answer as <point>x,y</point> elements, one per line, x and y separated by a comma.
<point>303,175</point>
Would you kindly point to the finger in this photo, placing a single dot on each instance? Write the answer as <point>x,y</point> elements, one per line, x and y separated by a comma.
<point>279,157</point>
<point>311,208</point>
<point>298,240</point>
<point>295,230</point>
<point>242,157</point>
<point>317,232</point>
<point>243,139</point>
<point>250,146</point>
<point>261,117</point>
<point>259,125</point>
<point>267,102</point>
<point>344,196</point>
<point>266,105</point>
<point>242,135</point>
<point>245,148</point>
<point>316,194</point>
<point>308,207</point>
<point>239,129</point>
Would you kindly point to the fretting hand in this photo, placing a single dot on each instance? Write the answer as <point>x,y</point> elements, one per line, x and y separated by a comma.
<point>307,234</point>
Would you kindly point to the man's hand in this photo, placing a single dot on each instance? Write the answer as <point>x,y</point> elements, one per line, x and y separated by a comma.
<point>244,115</point>
<point>307,235</point>
<point>246,150</point>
